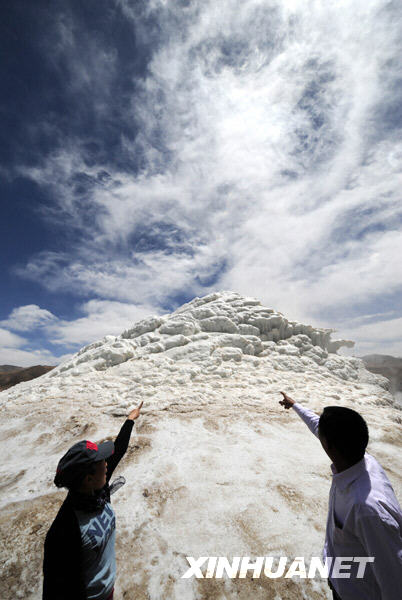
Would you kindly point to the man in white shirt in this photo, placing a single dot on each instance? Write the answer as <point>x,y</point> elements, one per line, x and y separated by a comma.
<point>364,517</point>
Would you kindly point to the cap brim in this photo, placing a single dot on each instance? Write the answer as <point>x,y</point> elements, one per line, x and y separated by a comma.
<point>105,450</point>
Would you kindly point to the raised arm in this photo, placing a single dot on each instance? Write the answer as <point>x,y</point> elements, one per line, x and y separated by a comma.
<point>308,416</point>
<point>121,441</point>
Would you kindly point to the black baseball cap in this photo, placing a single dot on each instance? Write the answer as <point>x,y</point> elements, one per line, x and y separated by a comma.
<point>78,459</point>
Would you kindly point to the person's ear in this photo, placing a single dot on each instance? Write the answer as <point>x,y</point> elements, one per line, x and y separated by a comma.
<point>87,479</point>
<point>324,443</point>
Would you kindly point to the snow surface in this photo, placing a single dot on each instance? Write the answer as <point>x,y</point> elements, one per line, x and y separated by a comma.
<point>215,466</point>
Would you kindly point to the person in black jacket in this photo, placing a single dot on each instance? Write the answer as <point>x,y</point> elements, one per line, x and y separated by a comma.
<point>79,557</point>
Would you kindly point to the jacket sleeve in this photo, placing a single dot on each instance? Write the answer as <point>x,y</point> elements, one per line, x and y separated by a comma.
<point>62,572</point>
<point>120,447</point>
<point>308,416</point>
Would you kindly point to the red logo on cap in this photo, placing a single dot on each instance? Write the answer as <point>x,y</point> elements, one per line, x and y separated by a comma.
<point>92,446</point>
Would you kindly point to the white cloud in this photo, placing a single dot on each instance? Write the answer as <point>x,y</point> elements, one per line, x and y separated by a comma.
<point>10,339</point>
<point>101,318</point>
<point>19,351</point>
<point>28,317</point>
<point>22,351</point>
<point>392,348</point>
<point>28,358</point>
<point>267,168</point>
<point>365,319</point>
<point>381,337</point>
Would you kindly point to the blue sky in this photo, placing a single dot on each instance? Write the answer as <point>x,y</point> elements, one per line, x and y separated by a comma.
<point>155,151</point>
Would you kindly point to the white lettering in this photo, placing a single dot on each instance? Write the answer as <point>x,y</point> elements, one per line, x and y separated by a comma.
<point>240,567</point>
<point>280,570</point>
<point>246,565</point>
<point>224,565</point>
<point>363,560</point>
<point>211,567</point>
<point>297,568</point>
<point>316,565</point>
<point>337,572</point>
<point>195,567</point>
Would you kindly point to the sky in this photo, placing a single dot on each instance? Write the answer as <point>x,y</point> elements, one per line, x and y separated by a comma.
<point>156,151</point>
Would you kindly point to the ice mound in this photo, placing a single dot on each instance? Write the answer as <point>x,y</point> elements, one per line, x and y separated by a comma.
<point>215,466</point>
<point>205,326</point>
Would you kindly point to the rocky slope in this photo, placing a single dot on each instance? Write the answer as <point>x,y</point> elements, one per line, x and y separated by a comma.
<point>12,377</point>
<point>215,466</point>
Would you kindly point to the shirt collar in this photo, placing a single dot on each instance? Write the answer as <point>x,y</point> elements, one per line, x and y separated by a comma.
<point>345,478</point>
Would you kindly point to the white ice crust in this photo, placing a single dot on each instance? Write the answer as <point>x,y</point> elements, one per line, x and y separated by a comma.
<point>215,466</point>
<point>246,325</point>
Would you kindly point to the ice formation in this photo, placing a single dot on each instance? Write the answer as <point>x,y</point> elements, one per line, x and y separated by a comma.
<point>224,325</point>
<point>215,467</point>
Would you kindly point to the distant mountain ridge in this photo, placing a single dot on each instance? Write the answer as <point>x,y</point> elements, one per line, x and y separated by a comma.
<point>387,366</point>
<point>9,368</point>
<point>9,377</point>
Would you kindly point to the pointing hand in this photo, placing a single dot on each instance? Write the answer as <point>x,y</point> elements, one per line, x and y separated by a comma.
<point>135,413</point>
<point>287,402</point>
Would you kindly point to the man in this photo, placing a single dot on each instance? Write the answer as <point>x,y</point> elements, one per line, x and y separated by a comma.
<point>364,517</point>
<point>79,558</point>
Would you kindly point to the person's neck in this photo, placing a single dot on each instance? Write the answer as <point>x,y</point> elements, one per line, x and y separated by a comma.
<point>342,464</point>
<point>86,491</point>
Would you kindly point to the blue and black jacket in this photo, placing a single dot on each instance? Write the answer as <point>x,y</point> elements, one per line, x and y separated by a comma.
<point>63,577</point>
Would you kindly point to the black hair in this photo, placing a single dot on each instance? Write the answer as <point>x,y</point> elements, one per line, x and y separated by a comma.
<point>345,430</point>
<point>73,478</point>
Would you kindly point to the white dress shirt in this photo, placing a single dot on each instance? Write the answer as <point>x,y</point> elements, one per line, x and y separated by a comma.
<point>364,519</point>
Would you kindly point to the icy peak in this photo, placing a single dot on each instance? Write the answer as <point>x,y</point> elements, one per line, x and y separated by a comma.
<point>223,325</point>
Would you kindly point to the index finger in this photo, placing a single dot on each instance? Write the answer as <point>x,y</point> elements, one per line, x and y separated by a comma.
<point>140,406</point>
